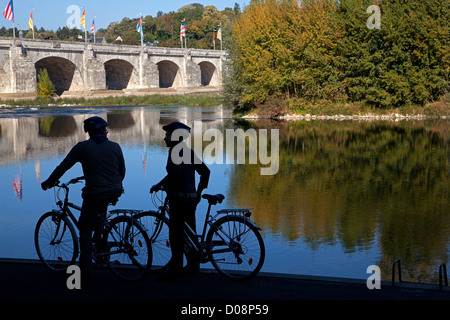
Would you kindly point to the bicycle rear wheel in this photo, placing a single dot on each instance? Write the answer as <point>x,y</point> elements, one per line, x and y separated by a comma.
<point>127,248</point>
<point>236,248</point>
<point>56,241</point>
<point>157,227</point>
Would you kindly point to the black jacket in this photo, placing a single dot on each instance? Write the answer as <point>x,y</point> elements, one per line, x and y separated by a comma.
<point>180,179</point>
<point>103,165</point>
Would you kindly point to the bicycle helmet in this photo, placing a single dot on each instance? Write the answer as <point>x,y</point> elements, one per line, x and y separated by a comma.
<point>94,124</point>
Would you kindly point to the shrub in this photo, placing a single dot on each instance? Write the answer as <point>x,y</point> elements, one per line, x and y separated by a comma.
<point>45,87</point>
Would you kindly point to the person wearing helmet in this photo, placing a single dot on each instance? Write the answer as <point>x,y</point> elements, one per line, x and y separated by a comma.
<point>103,167</point>
<point>179,183</point>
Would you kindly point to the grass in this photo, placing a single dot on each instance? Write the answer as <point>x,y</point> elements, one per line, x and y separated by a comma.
<point>147,100</point>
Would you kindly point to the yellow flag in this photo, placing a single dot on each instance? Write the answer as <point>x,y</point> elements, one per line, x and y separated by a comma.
<point>219,33</point>
<point>30,22</point>
<point>83,19</point>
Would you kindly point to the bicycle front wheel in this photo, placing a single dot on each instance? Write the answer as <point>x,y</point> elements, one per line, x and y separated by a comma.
<point>56,241</point>
<point>157,227</point>
<point>127,248</point>
<point>236,248</point>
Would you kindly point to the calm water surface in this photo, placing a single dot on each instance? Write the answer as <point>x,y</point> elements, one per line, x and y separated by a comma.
<point>347,194</point>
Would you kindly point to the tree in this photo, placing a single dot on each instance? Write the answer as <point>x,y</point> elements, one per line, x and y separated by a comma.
<point>45,87</point>
<point>323,50</point>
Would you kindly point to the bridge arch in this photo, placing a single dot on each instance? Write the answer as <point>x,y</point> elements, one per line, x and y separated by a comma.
<point>63,73</point>
<point>120,74</point>
<point>169,74</point>
<point>209,74</point>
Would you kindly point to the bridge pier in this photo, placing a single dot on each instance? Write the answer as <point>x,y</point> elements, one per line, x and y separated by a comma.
<point>76,66</point>
<point>192,72</point>
<point>148,72</point>
<point>94,71</point>
<point>22,72</point>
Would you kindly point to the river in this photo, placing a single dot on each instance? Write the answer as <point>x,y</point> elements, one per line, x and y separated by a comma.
<point>343,195</point>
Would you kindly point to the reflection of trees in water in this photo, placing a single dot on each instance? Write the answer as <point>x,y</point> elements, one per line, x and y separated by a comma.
<point>57,126</point>
<point>359,184</point>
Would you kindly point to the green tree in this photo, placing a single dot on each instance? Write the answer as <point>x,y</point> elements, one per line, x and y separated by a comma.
<point>45,87</point>
<point>323,50</point>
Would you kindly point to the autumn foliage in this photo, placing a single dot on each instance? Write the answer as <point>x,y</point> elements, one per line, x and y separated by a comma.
<point>323,50</point>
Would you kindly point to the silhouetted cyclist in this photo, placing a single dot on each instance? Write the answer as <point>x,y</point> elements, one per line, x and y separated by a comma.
<point>182,163</point>
<point>104,170</point>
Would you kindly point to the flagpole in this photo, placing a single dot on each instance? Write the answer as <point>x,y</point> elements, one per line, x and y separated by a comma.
<point>33,23</point>
<point>8,13</point>
<point>85,30</point>
<point>183,33</point>
<point>14,27</point>
<point>93,24</point>
<point>142,30</point>
<point>32,20</point>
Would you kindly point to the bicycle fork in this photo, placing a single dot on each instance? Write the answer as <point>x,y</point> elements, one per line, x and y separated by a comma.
<point>58,220</point>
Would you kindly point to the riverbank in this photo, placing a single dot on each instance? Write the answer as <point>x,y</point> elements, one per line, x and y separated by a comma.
<point>348,111</point>
<point>212,96</point>
<point>205,96</point>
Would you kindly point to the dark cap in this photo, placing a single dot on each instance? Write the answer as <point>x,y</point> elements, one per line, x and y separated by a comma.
<point>171,127</point>
<point>94,124</point>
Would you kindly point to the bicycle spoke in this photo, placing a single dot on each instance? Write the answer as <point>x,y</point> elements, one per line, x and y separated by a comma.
<point>236,248</point>
<point>56,243</point>
<point>158,231</point>
<point>128,249</point>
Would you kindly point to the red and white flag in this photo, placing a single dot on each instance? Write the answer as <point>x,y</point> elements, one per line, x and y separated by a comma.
<point>9,12</point>
<point>93,26</point>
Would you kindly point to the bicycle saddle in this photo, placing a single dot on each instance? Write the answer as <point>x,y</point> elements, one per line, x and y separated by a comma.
<point>214,198</point>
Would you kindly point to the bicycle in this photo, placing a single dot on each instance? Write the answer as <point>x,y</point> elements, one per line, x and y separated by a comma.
<point>233,243</point>
<point>120,243</point>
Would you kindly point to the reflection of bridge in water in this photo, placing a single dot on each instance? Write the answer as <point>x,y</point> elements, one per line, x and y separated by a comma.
<point>32,138</point>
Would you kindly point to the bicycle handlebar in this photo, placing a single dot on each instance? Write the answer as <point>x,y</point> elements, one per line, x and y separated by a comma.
<point>72,181</point>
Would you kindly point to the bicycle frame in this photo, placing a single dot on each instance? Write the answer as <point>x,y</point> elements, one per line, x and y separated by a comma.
<point>65,206</point>
<point>209,221</point>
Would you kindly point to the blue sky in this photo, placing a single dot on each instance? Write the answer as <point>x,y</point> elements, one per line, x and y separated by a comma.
<point>52,14</point>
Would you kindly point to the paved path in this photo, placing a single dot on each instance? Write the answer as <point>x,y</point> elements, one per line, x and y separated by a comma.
<point>27,280</point>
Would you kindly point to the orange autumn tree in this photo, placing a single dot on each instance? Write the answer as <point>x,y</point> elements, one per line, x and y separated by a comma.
<point>284,47</point>
<point>306,51</point>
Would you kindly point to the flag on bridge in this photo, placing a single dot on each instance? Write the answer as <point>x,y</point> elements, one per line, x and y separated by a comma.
<point>83,20</point>
<point>139,25</point>
<point>219,32</point>
<point>9,11</point>
<point>93,26</point>
<point>183,33</point>
<point>183,29</point>
<point>140,29</point>
<point>30,22</point>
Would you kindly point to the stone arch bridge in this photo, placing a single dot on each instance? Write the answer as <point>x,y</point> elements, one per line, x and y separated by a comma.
<point>77,66</point>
